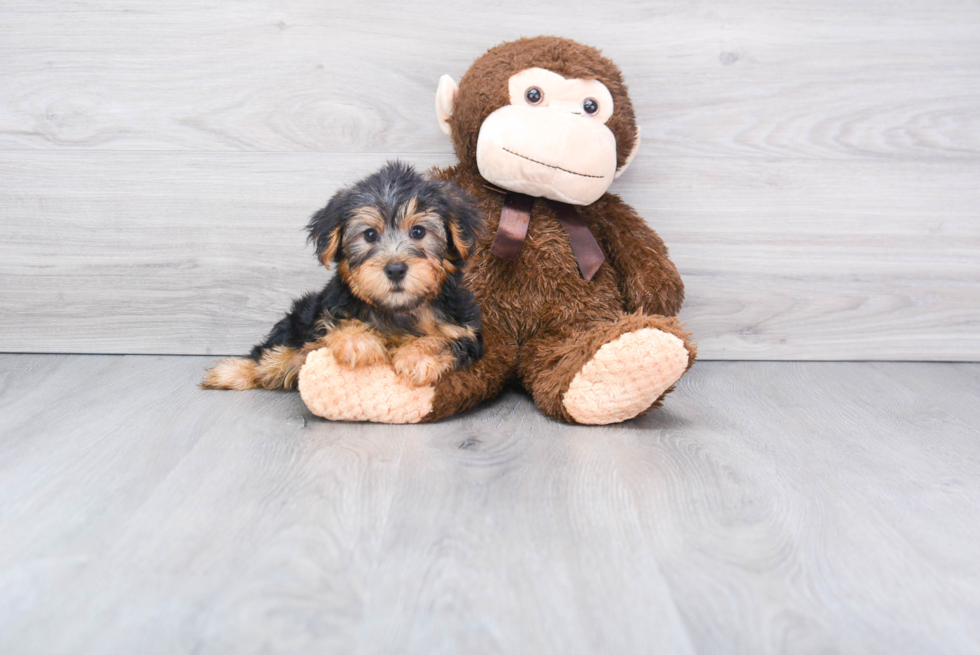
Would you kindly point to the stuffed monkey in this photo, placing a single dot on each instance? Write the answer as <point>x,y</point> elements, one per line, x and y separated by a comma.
<point>578,297</point>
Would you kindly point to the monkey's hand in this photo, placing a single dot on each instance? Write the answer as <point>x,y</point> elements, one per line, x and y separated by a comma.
<point>648,279</point>
<point>421,362</point>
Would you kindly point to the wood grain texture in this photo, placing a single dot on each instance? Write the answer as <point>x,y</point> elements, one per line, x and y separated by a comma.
<point>835,79</point>
<point>768,508</point>
<point>201,253</point>
<point>812,166</point>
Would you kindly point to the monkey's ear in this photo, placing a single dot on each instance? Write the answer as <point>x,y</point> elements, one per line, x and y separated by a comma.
<point>464,220</point>
<point>629,159</point>
<point>445,99</point>
<point>326,228</point>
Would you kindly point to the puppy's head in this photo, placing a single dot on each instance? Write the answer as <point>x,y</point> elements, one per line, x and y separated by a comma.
<point>396,235</point>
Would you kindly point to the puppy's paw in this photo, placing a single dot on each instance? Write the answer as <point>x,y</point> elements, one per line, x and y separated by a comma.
<point>421,363</point>
<point>354,349</point>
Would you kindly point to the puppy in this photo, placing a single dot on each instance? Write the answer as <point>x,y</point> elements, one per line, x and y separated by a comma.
<point>399,241</point>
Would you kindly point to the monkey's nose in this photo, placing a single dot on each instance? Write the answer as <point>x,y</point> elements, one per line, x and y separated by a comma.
<point>396,271</point>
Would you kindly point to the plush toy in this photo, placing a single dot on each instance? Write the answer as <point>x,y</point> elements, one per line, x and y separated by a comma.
<point>578,297</point>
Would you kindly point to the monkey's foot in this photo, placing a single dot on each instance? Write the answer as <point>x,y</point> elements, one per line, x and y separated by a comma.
<point>370,393</point>
<point>626,376</point>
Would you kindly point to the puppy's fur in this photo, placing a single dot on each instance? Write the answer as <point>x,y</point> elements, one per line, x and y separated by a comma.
<point>399,241</point>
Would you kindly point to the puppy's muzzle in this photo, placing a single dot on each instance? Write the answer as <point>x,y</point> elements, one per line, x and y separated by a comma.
<point>396,271</point>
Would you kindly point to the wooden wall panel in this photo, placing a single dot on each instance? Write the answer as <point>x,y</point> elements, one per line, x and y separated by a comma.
<point>200,253</point>
<point>815,167</point>
<point>830,79</point>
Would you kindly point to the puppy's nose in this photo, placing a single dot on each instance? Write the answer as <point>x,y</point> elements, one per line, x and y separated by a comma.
<point>396,271</point>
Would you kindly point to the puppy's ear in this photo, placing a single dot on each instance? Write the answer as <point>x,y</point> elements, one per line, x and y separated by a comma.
<point>326,227</point>
<point>464,220</point>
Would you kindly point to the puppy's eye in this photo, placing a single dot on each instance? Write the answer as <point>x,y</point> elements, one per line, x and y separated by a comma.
<point>417,232</point>
<point>534,95</point>
<point>371,235</point>
<point>590,106</point>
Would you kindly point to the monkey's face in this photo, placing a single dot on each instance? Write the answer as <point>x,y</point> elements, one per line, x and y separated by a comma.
<point>394,259</point>
<point>544,116</point>
<point>551,140</point>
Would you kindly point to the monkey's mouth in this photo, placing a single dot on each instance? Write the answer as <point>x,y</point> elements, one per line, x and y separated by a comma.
<point>563,170</point>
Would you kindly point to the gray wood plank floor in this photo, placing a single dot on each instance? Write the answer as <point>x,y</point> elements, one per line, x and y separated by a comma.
<point>769,507</point>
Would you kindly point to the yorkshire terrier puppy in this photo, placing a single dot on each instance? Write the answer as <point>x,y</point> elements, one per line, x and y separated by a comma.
<point>399,241</point>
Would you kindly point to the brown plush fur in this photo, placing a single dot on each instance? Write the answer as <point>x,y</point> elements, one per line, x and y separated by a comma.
<point>542,322</point>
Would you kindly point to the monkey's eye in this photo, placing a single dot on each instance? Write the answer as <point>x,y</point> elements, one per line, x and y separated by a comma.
<point>417,232</point>
<point>371,235</point>
<point>590,106</point>
<point>534,95</point>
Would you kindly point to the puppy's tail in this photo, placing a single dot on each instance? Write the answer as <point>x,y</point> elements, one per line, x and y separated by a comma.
<point>277,368</point>
<point>232,373</point>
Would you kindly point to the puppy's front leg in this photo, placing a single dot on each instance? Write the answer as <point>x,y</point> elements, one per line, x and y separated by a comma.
<point>423,360</point>
<point>355,344</point>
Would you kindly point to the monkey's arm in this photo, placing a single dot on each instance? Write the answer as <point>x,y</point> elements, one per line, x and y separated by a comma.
<point>648,280</point>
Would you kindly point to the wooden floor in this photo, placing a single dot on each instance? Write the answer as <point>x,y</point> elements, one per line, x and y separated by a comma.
<point>769,507</point>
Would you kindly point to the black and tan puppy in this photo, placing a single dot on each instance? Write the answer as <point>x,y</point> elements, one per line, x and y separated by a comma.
<point>399,241</point>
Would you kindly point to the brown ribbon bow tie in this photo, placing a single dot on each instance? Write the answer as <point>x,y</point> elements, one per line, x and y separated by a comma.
<point>515,218</point>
